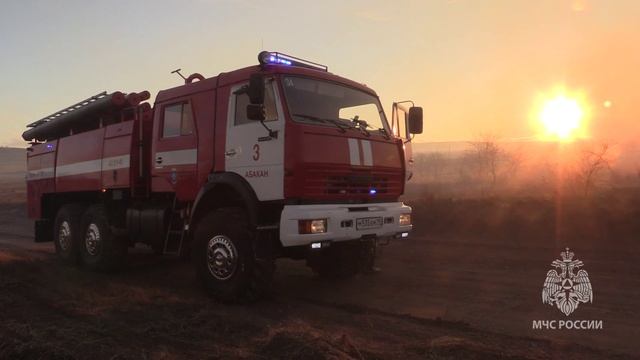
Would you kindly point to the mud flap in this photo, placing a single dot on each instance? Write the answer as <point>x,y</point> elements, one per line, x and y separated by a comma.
<point>43,230</point>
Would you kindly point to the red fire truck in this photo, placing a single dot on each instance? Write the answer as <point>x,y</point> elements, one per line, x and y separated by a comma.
<point>282,159</point>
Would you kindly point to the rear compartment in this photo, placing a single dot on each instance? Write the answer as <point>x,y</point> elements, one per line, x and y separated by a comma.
<point>110,156</point>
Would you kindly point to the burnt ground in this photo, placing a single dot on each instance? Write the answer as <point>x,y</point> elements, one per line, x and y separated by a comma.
<point>437,297</point>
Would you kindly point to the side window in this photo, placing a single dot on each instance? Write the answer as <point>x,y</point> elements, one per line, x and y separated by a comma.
<point>186,128</point>
<point>178,120</point>
<point>242,101</point>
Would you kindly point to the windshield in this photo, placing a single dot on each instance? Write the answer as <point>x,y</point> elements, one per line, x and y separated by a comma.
<point>326,103</point>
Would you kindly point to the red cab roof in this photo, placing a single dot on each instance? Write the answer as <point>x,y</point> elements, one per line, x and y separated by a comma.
<point>224,79</point>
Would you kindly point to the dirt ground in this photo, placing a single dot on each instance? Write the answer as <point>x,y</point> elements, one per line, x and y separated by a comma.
<point>437,297</point>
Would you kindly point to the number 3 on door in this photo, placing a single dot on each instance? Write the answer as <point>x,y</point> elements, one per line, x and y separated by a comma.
<point>256,152</point>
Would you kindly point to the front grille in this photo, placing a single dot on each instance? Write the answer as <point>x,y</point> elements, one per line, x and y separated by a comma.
<point>340,183</point>
<point>356,184</point>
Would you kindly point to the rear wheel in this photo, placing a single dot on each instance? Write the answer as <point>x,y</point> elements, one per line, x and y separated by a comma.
<point>224,257</point>
<point>100,249</point>
<point>67,233</point>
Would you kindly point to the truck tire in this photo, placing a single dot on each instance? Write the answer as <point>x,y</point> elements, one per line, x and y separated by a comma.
<point>100,249</point>
<point>343,260</point>
<point>67,233</point>
<point>224,258</point>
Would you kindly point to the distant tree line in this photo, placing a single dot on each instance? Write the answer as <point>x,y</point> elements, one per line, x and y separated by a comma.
<point>487,168</point>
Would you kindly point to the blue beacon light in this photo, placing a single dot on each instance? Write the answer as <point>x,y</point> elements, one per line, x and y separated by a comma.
<point>373,191</point>
<point>278,60</point>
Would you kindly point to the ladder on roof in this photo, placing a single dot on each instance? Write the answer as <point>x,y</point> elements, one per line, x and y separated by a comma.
<point>69,109</point>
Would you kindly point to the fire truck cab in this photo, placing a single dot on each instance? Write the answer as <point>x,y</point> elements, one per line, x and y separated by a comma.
<point>282,159</point>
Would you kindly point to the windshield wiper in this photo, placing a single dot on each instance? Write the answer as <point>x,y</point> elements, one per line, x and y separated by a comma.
<point>340,127</point>
<point>384,133</point>
<point>362,125</point>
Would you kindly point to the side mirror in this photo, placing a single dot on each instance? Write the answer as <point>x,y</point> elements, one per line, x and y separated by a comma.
<point>415,120</point>
<point>256,89</point>
<point>256,112</point>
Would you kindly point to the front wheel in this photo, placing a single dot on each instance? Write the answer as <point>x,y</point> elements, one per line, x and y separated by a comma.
<point>224,257</point>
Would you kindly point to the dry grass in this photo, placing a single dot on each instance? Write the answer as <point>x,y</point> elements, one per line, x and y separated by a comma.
<point>604,219</point>
<point>145,314</point>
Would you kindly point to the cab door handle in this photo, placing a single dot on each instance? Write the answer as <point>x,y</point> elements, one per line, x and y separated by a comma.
<point>231,152</point>
<point>158,159</point>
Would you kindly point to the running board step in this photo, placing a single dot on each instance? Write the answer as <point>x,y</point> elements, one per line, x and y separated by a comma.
<point>175,234</point>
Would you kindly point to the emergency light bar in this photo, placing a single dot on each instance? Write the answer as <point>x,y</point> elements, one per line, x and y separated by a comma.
<point>276,58</point>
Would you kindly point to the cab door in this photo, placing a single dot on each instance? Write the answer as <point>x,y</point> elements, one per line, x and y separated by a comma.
<point>175,150</point>
<point>249,151</point>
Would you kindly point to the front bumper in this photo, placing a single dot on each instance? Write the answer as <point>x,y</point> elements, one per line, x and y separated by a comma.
<point>339,216</point>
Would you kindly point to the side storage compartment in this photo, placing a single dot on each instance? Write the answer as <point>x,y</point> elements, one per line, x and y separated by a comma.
<point>119,157</point>
<point>79,163</point>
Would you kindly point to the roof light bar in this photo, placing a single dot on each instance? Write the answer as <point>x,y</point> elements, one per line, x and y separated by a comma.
<point>276,58</point>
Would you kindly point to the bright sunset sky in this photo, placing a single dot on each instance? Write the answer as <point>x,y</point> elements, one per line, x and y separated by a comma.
<point>477,67</point>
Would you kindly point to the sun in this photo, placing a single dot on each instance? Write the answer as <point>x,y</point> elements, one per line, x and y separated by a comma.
<point>561,117</point>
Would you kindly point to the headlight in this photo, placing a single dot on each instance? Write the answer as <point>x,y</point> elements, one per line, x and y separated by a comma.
<point>405,219</point>
<point>315,226</point>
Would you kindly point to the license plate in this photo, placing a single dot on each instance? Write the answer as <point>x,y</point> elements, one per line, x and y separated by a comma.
<point>368,223</point>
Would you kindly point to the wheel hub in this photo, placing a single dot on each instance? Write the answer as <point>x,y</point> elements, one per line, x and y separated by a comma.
<point>222,257</point>
<point>64,236</point>
<point>92,239</point>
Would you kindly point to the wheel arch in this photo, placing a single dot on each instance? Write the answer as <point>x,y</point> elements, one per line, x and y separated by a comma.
<point>53,202</point>
<point>225,189</point>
